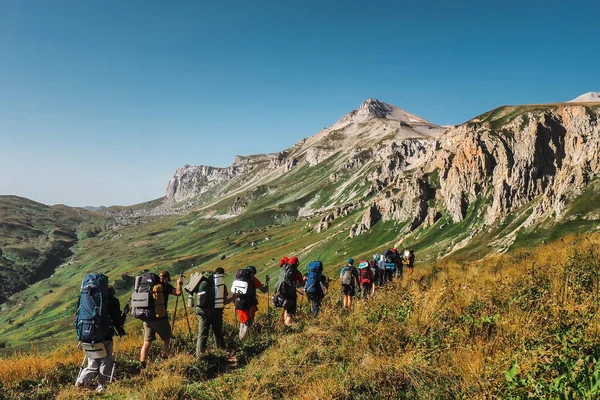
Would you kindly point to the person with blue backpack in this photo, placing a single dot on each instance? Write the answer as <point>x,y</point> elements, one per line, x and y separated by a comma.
<point>349,281</point>
<point>315,285</point>
<point>98,318</point>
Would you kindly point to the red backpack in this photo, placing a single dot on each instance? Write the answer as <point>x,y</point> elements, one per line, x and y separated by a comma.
<point>364,273</point>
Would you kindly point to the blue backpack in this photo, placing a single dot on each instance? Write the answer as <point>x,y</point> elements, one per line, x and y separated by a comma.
<point>390,266</point>
<point>313,278</point>
<point>91,320</point>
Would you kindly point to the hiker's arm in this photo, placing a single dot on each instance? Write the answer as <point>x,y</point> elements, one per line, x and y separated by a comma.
<point>226,298</point>
<point>178,289</point>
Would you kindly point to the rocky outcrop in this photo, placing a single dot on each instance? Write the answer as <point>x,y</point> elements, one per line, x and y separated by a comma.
<point>549,153</point>
<point>509,157</point>
<point>283,160</point>
<point>193,180</point>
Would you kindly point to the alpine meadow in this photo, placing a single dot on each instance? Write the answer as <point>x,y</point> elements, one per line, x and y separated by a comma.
<point>503,302</point>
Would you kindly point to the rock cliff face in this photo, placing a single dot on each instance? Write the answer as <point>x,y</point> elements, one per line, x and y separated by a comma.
<point>511,157</point>
<point>400,167</point>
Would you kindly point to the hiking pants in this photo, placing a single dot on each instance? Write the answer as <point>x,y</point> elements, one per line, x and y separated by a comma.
<point>315,304</point>
<point>399,271</point>
<point>381,277</point>
<point>389,275</point>
<point>214,319</point>
<point>100,367</point>
<point>365,290</point>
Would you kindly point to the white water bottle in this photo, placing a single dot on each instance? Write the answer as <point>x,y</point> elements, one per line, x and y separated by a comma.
<point>219,291</point>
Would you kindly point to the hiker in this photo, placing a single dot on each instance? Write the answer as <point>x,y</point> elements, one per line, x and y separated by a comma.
<point>102,367</point>
<point>315,286</point>
<point>246,304</point>
<point>285,295</point>
<point>211,315</point>
<point>375,272</point>
<point>365,277</point>
<point>349,281</point>
<point>160,324</point>
<point>390,264</point>
<point>408,260</point>
<point>381,274</point>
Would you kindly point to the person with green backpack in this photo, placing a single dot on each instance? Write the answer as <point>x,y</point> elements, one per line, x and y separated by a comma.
<point>210,298</point>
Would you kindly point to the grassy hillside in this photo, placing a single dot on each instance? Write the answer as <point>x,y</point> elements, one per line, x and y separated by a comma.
<point>260,236</point>
<point>518,325</point>
<point>35,239</point>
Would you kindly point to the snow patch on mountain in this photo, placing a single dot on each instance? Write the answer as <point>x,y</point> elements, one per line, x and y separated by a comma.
<point>590,97</point>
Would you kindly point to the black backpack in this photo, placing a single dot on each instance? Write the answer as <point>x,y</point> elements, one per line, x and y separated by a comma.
<point>246,300</point>
<point>285,285</point>
<point>147,300</point>
<point>389,256</point>
<point>92,323</point>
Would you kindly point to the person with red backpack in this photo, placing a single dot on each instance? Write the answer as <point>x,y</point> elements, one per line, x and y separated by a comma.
<point>286,295</point>
<point>365,279</point>
<point>348,278</point>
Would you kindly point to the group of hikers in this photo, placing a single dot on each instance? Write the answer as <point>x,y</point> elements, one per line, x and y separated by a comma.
<point>99,314</point>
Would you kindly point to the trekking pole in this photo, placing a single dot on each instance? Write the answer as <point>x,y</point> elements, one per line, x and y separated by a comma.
<point>174,315</point>
<point>268,307</point>
<point>188,322</point>
<point>82,363</point>
<point>301,300</point>
<point>112,373</point>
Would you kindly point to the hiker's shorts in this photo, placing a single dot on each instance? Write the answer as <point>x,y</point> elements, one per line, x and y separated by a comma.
<point>348,290</point>
<point>290,305</point>
<point>160,326</point>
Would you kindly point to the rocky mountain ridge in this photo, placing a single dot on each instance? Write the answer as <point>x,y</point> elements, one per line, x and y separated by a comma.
<point>403,168</point>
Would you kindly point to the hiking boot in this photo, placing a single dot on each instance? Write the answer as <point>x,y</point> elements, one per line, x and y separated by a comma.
<point>143,364</point>
<point>100,388</point>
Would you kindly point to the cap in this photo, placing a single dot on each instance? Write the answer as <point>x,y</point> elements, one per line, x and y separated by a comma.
<point>253,269</point>
<point>351,261</point>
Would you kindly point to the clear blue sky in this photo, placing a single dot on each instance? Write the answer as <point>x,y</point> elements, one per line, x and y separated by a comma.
<point>100,101</point>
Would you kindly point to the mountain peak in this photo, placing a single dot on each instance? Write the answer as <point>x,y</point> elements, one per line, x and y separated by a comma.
<point>376,108</point>
<point>373,108</point>
<point>590,97</point>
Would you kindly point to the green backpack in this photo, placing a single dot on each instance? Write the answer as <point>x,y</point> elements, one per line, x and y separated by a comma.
<point>204,295</point>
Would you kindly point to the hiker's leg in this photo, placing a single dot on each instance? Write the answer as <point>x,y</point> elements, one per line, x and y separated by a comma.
<point>144,351</point>
<point>89,372</point>
<point>203,327</point>
<point>291,311</point>
<point>163,328</point>
<point>106,364</point>
<point>217,325</point>
<point>149,337</point>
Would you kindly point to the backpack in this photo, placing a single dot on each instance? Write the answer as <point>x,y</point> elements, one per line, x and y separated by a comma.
<point>285,287</point>
<point>390,266</point>
<point>389,256</point>
<point>201,288</point>
<point>313,278</point>
<point>92,323</point>
<point>148,300</point>
<point>408,258</point>
<point>347,278</point>
<point>364,273</point>
<point>245,288</point>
